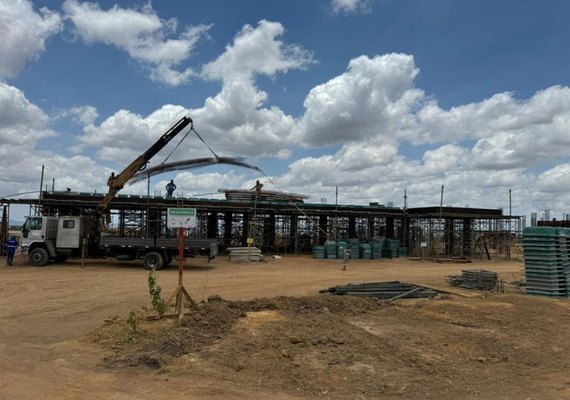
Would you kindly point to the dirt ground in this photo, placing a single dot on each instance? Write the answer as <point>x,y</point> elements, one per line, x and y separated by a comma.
<point>266,332</point>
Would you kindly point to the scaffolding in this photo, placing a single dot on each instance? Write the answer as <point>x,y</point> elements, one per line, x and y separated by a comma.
<point>279,227</point>
<point>463,237</point>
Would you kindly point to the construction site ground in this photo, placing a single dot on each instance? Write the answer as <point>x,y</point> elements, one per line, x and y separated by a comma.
<point>266,333</point>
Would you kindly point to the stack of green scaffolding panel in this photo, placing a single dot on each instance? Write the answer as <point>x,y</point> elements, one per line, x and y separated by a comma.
<point>319,252</point>
<point>547,261</point>
<point>391,248</point>
<point>354,248</point>
<point>377,247</point>
<point>366,251</point>
<point>330,249</point>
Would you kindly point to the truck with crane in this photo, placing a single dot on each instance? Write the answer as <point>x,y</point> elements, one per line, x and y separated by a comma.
<point>56,238</point>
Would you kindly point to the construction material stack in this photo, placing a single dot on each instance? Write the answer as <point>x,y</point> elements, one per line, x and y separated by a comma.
<point>245,254</point>
<point>479,279</point>
<point>390,290</point>
<point>331,249</point>
<point>547,261</point>
<point>377,247</point>
<point>366,251</point>
<point>319,252</point>
<point>391,248</point>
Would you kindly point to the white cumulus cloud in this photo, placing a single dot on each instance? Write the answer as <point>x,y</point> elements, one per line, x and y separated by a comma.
<point>257,50</point>
<point>21,122</point>
<point>125,135</point>
<point>350,6</point>
<point>142,34</point>
<point>24,33</point>
<point>374,97</point>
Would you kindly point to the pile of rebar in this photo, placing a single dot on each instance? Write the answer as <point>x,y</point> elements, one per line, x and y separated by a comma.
<point>478,279</point>
<point>391,290</point>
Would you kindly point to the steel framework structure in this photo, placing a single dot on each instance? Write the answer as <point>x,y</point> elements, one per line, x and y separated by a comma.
<point>285,227</point>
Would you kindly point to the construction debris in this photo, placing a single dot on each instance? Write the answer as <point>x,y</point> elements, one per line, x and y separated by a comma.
<point>478,279</point>
<point>391,290</point>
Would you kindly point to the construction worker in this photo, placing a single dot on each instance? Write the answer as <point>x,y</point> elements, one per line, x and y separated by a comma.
<point>11,246</point>
<point>346,253</point>
<point>111,179</point>
<point>170,188</point>
<point>257,187</point>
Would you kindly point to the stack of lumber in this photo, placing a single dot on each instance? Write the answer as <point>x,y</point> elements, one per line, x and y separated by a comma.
<point>245,254</point>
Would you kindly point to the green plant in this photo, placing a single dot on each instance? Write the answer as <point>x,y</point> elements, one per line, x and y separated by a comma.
<point>158,303</point>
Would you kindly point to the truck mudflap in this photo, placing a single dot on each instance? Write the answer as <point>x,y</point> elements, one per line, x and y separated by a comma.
<point>51,248</point>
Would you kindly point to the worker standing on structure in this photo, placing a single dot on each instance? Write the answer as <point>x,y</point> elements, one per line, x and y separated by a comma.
<point>257,187</point>
<point>111,179</point>
<point>11,245</point>
<point>170,188</point>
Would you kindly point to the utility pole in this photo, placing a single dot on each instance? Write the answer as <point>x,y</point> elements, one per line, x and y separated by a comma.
<point>510,228</point>
<point>510,204</point>
<point>336,215</point>
<point>147,205</point>
<point>440,221</point>
<point>41,188</point>
<point>406,223</point>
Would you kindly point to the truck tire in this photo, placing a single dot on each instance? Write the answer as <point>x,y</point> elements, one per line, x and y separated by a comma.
<point>153,260</point>
<point>38,257</point>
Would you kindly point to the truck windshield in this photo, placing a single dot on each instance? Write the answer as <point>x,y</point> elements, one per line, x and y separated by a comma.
<point>33,224</point>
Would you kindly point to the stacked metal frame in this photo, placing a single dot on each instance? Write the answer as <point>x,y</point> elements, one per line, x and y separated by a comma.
<point>547,261</point>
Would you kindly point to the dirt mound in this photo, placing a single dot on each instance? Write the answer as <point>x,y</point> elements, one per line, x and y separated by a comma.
<point>137,341</point>
<point>340,347</point>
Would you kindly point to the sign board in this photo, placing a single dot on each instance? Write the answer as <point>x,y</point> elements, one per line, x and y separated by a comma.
<point>181,218</point>
<point>423,244</point>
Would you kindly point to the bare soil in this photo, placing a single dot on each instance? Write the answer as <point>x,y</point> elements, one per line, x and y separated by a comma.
<point>263,331</point>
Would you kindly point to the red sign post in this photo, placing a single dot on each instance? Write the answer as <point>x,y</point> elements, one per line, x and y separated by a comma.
<point>180,293</point>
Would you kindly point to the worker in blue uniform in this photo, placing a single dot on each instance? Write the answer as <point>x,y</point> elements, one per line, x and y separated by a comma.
<point>11,246</point>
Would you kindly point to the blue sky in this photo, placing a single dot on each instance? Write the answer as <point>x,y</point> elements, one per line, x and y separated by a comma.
<point>375,97</point>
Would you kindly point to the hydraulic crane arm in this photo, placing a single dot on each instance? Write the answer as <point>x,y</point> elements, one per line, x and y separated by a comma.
<point>117,183</point>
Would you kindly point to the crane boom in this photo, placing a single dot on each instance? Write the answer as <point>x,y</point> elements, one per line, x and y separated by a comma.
<point>140,162</point>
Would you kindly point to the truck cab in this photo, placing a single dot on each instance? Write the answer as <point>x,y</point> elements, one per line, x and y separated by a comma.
<point>51,238</point>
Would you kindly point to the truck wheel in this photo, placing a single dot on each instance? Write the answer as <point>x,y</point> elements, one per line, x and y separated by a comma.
<point>153,260</point>
<point>38,257</point>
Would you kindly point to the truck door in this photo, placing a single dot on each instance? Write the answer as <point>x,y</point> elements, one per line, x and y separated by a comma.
<point>33,231</point>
